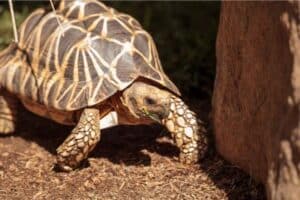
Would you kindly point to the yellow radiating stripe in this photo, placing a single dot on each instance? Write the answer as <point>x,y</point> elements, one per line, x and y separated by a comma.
<point>54,34</point>
<point>100,58</point>
<point>81,11</point>
<point>96,90</point>
<point>75,69</point>
<point>48,57</point>
<point>95,64</point>
<point>94,24</point>
<point>79,93</point>
<point>24,25</point>
<point>122,24</point>
<point>47,85</point>
<point>143,56</point>
<point>112,40</point>
<point>117,58</point>
<point>85,67</point>
<point>104,29</point>
<point>56,51</point>
<point>27,75</point>
<point>73,7</point>
<point>66,90</point>
<point>10,74</point>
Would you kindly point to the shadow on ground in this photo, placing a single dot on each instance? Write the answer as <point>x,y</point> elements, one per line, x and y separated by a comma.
<point>129,163</point>
<point>123,144</point>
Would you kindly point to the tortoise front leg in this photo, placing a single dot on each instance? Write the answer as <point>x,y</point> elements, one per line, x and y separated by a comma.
<point>81,141</point>
<point>188,133</point>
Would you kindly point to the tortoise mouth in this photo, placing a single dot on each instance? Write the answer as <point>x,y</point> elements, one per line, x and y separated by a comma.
<point>129,114</point>
<point>154,116</point>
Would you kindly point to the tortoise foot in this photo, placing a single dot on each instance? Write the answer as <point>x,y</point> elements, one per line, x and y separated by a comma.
<point>189,157</point>
<point>193,150</point>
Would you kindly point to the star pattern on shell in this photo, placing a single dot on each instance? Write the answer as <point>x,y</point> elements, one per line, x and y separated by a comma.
<point>95,52</point>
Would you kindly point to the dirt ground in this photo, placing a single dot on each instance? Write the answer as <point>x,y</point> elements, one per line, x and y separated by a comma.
<point>129,163</point>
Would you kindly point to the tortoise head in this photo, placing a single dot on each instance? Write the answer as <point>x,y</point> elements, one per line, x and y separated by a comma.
<point>147,103</point>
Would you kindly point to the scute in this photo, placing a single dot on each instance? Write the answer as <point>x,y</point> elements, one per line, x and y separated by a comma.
<point>141,43</point>
<point>47,30</point>
<point>102,45</point>
<point>94,52</point>
<point>67,42</point>
<point>93,8</point>
<point>125,67</point>
<point>30,23</point>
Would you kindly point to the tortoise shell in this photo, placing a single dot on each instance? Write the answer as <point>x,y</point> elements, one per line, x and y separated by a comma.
<point>90,55</point>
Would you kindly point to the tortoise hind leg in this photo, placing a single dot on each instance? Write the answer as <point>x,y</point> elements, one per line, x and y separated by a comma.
<point>8,112</point>
<point>81,141</point>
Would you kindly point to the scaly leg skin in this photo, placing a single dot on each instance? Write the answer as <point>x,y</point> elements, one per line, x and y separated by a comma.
<point>81,141</point>
<point>188,132</point>
<point>8,112</point>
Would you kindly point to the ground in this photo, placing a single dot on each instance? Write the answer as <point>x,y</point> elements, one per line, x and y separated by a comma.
<point>129,163</point>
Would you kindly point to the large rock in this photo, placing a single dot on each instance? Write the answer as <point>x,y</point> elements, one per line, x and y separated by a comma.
<point>256,99</point>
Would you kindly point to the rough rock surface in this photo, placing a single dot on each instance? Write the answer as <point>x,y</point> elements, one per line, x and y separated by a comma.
<point>256,99</point>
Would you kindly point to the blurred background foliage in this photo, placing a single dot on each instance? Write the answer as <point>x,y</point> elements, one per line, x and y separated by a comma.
<point>184,33</point>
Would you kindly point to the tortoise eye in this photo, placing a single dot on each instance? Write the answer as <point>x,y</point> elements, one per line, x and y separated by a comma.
<point>149,101</point>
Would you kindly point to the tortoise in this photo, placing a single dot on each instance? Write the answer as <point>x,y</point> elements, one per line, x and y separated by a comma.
<point>92,67</point>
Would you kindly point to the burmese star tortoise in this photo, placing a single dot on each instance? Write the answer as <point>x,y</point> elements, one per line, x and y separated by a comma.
<point>91,66</point>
